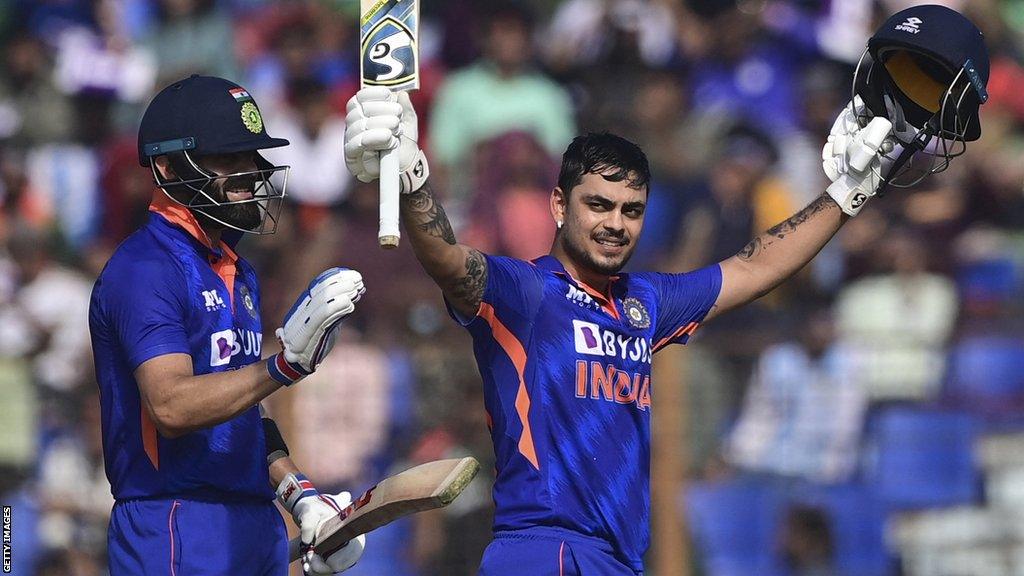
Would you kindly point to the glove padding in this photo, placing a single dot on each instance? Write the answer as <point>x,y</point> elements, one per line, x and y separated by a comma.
<point>311,326</point>
<point>377,120</point>
<point>310,509</point>
<point>856,159</point>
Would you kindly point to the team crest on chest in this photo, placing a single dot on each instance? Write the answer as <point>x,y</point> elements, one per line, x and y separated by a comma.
<point>247,301</point>
<point>636,313</point>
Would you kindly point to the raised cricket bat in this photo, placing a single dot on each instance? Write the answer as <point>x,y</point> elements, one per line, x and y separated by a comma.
<point>389,56</point>
<point>424,487</point>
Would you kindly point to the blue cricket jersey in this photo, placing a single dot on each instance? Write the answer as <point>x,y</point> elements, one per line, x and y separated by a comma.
<point>166,291</point>
<point>567,388</point>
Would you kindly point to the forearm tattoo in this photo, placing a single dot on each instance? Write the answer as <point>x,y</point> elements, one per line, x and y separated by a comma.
<point>783,229</point>
<point>469,288</point>
<point>427,215</point>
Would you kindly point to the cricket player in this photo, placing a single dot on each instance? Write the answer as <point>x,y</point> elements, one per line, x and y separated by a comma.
<point>192,458</point>
<point>564,343</point>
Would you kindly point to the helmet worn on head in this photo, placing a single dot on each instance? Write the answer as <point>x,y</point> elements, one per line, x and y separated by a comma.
<point>204,115</point>
<point>926,70</point>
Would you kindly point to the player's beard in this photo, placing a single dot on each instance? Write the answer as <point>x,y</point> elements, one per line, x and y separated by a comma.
<point>578,251</point>
<point>244,215</point>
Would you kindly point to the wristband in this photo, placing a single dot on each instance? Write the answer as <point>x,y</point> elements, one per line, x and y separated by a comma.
<point>284,372</point>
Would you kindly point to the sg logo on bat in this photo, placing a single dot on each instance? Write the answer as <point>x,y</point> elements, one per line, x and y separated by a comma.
<point>389,53</point>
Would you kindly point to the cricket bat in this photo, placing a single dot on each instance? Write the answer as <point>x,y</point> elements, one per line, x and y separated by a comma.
<point>424,487</point>
<point>389,56</point>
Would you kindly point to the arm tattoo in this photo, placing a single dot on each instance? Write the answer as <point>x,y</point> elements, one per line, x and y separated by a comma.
<point>789,226</point>
<point>783,229</point>
<point>428,215</point>
<point>469,288</point>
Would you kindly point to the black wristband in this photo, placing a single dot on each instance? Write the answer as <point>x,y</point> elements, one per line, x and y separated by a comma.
<point>274,441</point>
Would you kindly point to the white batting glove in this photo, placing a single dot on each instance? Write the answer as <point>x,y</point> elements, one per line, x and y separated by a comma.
<point>854,158</point>
<point>309,508</point>
<point>311,326</point>
<point>379,119</point>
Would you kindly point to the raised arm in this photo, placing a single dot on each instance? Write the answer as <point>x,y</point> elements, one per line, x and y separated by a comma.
<point>380,120</point>
<point>771,258</point>
<point>459,270</point>
<point>852,161</point>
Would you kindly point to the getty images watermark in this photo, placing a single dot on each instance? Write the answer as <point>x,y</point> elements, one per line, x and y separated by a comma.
<point>7,539</point>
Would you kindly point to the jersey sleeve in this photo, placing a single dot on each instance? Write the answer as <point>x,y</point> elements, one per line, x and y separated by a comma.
<point>514,289</point>
<point>683,302</point>
<point>146,308</point>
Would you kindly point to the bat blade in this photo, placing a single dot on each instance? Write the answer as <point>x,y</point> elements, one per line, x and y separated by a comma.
<point>388,38</point>
<point>389,56</point>
<point>424,487</point>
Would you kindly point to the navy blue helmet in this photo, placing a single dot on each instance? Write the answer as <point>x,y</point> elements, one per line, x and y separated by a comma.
<point>926,70</point>
<point>203,115</point>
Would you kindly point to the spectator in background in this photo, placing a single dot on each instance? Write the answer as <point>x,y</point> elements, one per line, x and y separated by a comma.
<point>744,72</point>
<point>680,146</point>
<point>32,110</point>
<point>897,323</point>
<point>590,33</point>
<point>509,210</point>
<point>803,412</point>
<point>45,319</point>
<point>192,37</point>
<point>73,491</point>
<point>603,47</point>
<point>498,94</point>
<point>744,197</point>
<point>318,178</point>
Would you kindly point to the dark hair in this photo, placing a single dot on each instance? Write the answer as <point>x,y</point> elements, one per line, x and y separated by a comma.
<point>595,153</point>
<point>510,11</point>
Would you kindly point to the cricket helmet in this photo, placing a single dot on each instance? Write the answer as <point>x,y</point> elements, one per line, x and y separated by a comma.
<point>203,115</point>
<point>926,70</point>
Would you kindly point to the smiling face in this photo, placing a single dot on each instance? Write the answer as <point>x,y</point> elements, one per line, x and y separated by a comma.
<point>245,215</point>
<point>230,192</point>
<point>601,223</point>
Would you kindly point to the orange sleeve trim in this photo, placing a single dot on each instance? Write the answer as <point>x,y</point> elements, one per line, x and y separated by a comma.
<point>683,330</point>
<point>149,439</point>
<point>515,351</point>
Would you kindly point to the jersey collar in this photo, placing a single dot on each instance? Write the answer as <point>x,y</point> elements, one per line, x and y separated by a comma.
<point>181,217</point>
<point>549,262</point>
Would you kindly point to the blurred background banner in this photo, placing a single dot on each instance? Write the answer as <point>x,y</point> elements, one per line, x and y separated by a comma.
<point>865,419</point>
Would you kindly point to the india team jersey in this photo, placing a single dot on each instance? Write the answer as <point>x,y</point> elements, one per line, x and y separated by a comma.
<point>568,393</point>
<point>165,292</point>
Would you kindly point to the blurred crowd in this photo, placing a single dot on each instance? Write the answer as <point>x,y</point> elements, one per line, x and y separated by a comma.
<point>881,389</point>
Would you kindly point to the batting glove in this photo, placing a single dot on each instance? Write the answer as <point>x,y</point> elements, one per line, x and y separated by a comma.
<point>855,159</point>
<point>309,508</point>
<point>379,119</point>
<point>311,326</point>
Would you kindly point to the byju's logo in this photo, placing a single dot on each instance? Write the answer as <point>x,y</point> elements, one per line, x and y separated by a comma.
<point>911,25</point>
<point>212,300</point>
<point>227,343</point>
<point>590,339</point>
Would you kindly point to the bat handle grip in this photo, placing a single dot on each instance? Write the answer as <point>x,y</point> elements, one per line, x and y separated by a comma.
<point>388,234</point>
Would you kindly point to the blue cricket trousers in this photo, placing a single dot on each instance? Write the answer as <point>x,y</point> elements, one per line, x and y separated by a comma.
<point>179,537</point>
